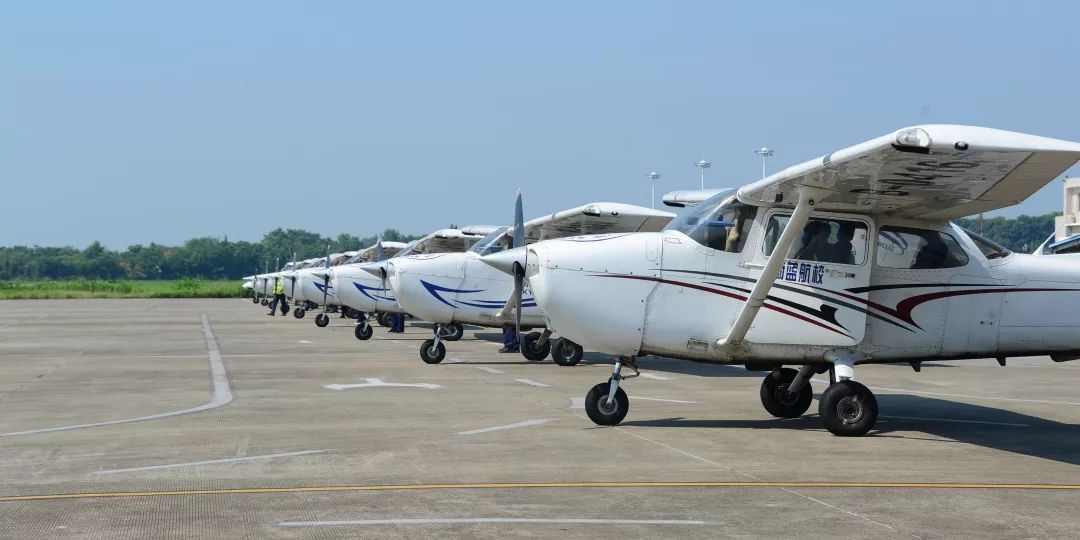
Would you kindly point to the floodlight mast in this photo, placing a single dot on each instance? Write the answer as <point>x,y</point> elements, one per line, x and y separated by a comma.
<point>764,152</point>
<point>653,176</point>
<point>703,164</point>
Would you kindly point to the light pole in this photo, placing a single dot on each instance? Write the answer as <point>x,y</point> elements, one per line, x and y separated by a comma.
<point>653,176</point>
<point>764,152</point>
<point>703,164</point>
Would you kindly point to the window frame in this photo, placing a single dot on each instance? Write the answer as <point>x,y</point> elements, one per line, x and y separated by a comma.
<point>871,232</point>
<point>902,228</point>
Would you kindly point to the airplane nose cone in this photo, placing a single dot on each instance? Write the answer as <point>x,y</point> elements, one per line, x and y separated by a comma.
<point>504,260</point>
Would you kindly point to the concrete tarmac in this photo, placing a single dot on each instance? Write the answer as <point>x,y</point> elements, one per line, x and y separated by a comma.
<point>209,419</point>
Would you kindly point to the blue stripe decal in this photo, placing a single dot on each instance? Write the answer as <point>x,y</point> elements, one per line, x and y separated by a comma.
<point>436,291</point>
<point>364,291</point>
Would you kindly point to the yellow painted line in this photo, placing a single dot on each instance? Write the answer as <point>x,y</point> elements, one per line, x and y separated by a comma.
<point>533,485</point>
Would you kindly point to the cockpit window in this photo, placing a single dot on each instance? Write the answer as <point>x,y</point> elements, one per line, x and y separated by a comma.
<point>918,249</point>
<point>721,223</point>
<point>989,248</point>
<point>829,240</point>
<point>495,242</point>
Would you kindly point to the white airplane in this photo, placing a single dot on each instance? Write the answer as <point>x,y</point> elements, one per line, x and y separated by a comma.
<point>363,287</point>
<point>872,272</point>
<point>263,284</point>
<point>320,282</point>
<point>311,286</point>
<point>455,288</point>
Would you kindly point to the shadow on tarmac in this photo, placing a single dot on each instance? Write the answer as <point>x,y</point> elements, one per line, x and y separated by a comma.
<point>901,414</point>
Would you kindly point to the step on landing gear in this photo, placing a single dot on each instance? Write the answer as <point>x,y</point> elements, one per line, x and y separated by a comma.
<point>606,403</point>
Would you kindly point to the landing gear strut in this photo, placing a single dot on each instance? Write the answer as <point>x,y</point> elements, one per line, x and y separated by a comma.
<point>606,403</point>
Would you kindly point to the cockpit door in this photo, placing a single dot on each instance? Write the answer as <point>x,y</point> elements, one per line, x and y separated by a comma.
<point>819,297</point>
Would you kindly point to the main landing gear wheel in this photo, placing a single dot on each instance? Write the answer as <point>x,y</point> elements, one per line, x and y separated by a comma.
<point>363,332</point>
<point>531,351</point>
<point>848,409</point>
<point>452,331</point>
<point>383,319</point>
<point>264,302</point>
<point>604,411</point>
<point>299,313</point>
<point>566,352</point>
<point>321,320</point>
<point>781,403</point>
<point>431,352</point>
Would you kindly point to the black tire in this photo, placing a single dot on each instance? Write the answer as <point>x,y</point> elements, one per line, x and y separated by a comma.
<point>848,409</point>
<point>321,320</point>
<point>566,352</point>
<point>363,332</point>
<point>299,312</point>
<point>383,319</point>
<point>254,300</point>
<point>531,351</point>
<point>776,399</point>
<point>264,302</point>
<point>603,413</point>
<point>454,331</point>
<point>431,354</point>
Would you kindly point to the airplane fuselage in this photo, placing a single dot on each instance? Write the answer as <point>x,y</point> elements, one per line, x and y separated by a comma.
<point>667,294</point>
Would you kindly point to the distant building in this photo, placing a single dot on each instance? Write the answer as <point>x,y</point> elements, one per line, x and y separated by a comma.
<point>1067,226</point>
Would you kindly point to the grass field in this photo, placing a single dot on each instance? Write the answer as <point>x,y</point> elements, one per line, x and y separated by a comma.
<point>84,288</point>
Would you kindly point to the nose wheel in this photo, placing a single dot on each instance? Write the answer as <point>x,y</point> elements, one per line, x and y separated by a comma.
<point>299,312</point>
<point>363,331</point>
<point>264,302</point>
<point>432,352</point>
<point>321,320</point>
<point>606,403</point>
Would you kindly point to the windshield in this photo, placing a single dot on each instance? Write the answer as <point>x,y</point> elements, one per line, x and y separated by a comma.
<point>989,248</point>
<point>495,242</point>
<point>720,222</point>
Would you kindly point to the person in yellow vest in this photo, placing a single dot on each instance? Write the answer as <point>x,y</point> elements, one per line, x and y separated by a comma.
<point>279,299</point>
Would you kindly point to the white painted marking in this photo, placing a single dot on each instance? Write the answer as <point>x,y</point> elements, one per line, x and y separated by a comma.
<point>394,341</point>
<point>577,403</point>
<point>221,393</point>
<point>526,423</point>
<point>665,400</point>
<point>456,521</point>
<point>380,337</point>
<point>455,360</point>
<point>373,382</point>
<point>531,382</point>
<point>906,391</point>
<point>489,369</point>
<point>956,421</point>
<point>655,377</point>
<point>303,341</point>
<point>212,461</point>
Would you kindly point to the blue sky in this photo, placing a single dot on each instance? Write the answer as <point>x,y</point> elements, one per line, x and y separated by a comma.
<point>132,122</point>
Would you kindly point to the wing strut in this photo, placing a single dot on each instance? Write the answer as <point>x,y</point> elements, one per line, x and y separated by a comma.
<point>807,197</point>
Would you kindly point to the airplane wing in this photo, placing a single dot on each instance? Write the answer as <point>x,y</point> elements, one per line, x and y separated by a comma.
<point>691,197</point>
<point>445,240</point>
<point>936,172</point>
<point>596,218</point>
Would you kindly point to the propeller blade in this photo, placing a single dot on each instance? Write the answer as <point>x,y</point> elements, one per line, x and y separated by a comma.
<point>519,222</point>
